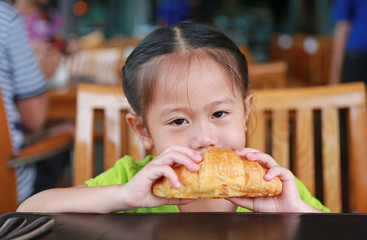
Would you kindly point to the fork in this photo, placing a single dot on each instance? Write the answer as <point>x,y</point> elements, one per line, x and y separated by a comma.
<point>32,230</point>
<point>12,225</point>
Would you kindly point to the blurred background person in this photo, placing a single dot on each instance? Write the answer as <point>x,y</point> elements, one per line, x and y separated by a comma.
<point>24,89</point>
<point>44,26</point>
<point>170,12</point>
<point>349,57</point>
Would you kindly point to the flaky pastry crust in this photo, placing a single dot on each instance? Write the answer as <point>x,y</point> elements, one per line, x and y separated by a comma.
<point>222,174</point>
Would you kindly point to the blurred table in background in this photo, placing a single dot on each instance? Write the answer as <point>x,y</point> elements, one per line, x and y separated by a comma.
<point>269,75</point>
<point>308,57</point>
<point>62,104</point>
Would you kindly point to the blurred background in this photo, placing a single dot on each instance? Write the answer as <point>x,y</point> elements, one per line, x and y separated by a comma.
<point>288,43</point>
<point>267,30</point>
<point>248,22</point>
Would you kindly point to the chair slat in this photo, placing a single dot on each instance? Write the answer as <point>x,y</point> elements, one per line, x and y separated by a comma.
<point>280,141</point>
<point>117,137</point>
<point>304,167</point>
<point>257,139</point>
<point>124,132</point>
<point>84,147</point>
<point>350,96</point>
<point>331,158</point>
<point>357,136</point>
<point>112,137</point>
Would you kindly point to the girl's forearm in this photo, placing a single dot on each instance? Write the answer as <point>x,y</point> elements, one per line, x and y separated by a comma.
<point>102,199</point>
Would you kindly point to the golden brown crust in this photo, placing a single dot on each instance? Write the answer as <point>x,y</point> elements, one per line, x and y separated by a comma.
<point>222,174</point>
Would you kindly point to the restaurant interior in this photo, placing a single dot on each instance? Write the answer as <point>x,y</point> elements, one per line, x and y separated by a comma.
<point>314,127</point>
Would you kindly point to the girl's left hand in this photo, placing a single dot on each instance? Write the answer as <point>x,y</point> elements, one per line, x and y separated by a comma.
<point>287,201</point>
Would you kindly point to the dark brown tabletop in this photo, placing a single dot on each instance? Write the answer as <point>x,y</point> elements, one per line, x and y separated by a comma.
<point>203,226</point>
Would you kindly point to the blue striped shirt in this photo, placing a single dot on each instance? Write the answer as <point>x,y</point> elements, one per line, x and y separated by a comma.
<point>20,78</point>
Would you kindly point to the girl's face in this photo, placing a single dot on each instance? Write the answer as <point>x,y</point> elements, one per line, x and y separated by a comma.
<point>200,109</point>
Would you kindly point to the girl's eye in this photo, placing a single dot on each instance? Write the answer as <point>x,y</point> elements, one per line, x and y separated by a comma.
<point>219,114</point>
<point>178,122</point>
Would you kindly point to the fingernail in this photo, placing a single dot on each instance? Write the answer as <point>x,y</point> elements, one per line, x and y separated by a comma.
<point>198,157</point>
<point>267,177</point>
<point>250,154</point>
<point>178,185</point>
<point>197,167</point>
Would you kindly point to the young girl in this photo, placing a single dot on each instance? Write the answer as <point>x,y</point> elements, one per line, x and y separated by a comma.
<point>188,87</point>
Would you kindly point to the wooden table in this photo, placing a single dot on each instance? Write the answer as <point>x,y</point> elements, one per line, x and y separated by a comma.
<point>213,226</point>
<point>62,104</point>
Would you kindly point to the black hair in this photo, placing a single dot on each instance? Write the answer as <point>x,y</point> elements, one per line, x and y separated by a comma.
<point>138,84</point>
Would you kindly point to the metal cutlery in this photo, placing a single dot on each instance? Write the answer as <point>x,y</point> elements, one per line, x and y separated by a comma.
<point>12,225</point>
<point>15,228</point>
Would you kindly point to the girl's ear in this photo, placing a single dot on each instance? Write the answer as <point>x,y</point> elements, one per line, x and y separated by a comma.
<point>137,124</point>
<point>248,106</point>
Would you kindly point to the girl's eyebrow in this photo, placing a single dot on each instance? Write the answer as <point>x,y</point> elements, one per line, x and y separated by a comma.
<point>173,109</point>
<point>170,110</point>
<point>221,101</point>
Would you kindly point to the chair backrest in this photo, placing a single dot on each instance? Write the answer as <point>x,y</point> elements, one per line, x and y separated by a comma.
<point>268,75</point>
<point>118,139</point>
<point>286,124</point>
<point>39,150</point>
<point>101,65</point>
<point>92,40</point>
<point>8,188</point>
<point>124,43</point>
<point>308,56</point>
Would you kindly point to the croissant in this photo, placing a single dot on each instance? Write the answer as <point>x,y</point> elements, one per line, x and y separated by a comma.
<point>222,174</point>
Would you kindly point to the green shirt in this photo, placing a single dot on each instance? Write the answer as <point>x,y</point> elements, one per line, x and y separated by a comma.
<point>125,168</point>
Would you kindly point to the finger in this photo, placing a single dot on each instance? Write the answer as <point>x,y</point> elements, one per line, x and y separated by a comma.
<point>171,175</point>
<point>265,159</point>
<point>180,201</point>
<point>194,155</point>
<point>283,174</point>
<point>243,202</point>
<point>244,151</point>
<point>157,171</point>
<point>174,158</point>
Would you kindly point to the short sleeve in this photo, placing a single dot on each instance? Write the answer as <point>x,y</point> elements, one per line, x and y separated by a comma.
<point>123,170</point>
<point>342,10</point>
<point>28,80</point>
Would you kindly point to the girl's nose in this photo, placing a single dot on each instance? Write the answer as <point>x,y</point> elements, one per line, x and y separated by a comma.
<point>203,136</point>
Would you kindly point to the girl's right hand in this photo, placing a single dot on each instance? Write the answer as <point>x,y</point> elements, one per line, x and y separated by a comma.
<point>138,191</point>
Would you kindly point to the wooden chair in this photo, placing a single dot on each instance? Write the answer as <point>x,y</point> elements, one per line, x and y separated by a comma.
<point>62,104</point>
<point>99,65</point>
<point>284,123</point>
<point>124,43</point>
<point>308,57</point>
<point>118,139</point>
<point>320,60</point>
<point>92,40</point>
<point>268,75</point>
<point>40,150</point>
